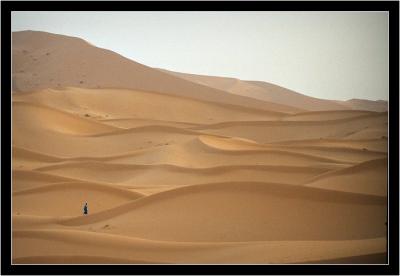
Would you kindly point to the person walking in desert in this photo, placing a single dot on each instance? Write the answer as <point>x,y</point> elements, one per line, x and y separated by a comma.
<point>85,209</point>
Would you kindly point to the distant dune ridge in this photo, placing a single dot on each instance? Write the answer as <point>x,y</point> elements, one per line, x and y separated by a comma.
<point>43,60</point>
<point>182,168</point>
<point>273,93</point>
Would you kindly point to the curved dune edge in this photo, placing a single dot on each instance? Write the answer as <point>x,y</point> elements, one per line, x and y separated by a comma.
<point>329,142</point>
<point>358,168</point>
<point>145,121</point>
<point>214,169</point>
<point>288,123</point>
<point>369,177</point>
<point>235,147</point>
<point>131,175</point>
<point>221,144</point>
<point>81,185</point>
<point>98,129</point>
<point>22,153</point>
<point>335,149</point>
<point>159,98</point>
<point>35,222</point>
<point>285,190</point>
<point>317,114</point>
<point>374,145</point>
<point>265,91</point>
<point>34,179</point>
<point>91,244</point>
<point>227,143</point>
<point>148,128</point>
<point>229,146</point>
<point>35,174</point>
<point>325,140</point>
<point>367,133</point>
<point>67,199</point>
<point>72,124</point>
<point>273,131</point>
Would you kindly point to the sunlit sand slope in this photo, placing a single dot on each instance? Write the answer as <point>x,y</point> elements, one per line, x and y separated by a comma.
<point>273,93</point>
<point>49,246</point>
<point>44,60</point>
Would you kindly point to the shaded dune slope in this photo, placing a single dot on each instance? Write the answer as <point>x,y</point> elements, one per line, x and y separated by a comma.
<point>44,60</point>
<point>262,91</point>
<point>52,119</point>
<point>274,131</point>
<point>65,199</point>
<point>97,245</point>
<point>265,91</point>
<point>103,104</point>
<point>156,175</point>
<point>245,212</point>
<point>369,177</point>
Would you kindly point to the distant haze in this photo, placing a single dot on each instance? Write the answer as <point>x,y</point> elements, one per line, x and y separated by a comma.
<point>329,55</point>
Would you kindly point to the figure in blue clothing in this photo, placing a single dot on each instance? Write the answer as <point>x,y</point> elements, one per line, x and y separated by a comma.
<point>85,209</point>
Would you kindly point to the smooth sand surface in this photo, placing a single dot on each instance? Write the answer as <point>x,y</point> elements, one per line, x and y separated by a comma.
<point>44,60</point>
<point>186,169</point>
<point>276,94</point>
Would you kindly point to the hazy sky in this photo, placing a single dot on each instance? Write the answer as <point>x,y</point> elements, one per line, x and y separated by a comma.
<point>331,55</point>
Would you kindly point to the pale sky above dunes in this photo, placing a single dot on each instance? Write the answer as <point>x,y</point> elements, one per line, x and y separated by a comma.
<point>329,55</point>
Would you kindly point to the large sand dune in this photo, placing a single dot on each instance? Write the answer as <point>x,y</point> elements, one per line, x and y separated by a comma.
<point>44,60</point>
<point>261,212</point>
<point>274,93</point>
<point>45,246</point>
<point>180,168</point>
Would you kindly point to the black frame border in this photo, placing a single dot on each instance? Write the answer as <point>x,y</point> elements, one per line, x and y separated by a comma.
<point>392,7</point>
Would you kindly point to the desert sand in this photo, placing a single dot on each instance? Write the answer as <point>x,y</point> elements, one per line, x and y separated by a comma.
<point>186,169</point>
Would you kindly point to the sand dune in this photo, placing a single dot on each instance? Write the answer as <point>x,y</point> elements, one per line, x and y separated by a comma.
<point>27,179</point>
<point>67,199</point>
<point>261,91</point>
<point>102,104</point>
<point>379,145</point>
<point>43,60</point>
<point>346,154</point>
<point>29,222</point>
<point>369,177</point>
<point>98,245</point>
<point>270,210</point>
<point>327,115</point>
<point>180,168</point>
<point>54,120</point>
<point>361,104</point>
<point>274,131</point>
<point>273,93</point>
<point>103,145</point>
<point>369,133</point>
<point>171,175</point>
<point>26,159</point>
<point>128,123</point>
